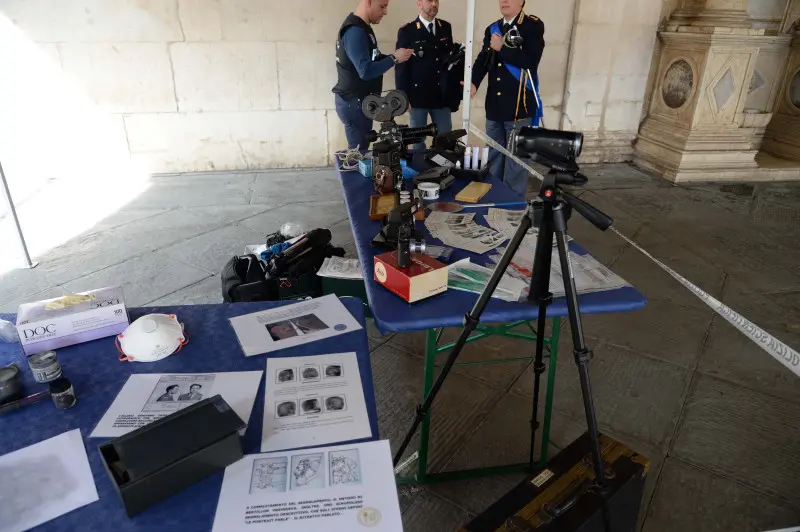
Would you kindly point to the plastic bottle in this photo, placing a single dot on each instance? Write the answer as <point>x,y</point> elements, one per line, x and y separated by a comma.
<point>291,230</point>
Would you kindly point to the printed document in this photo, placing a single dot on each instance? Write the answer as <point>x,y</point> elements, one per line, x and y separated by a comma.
<point>147,397</point>
<point>339,268</point>
<point>44,481</point>
<point>348,487</point>
<point>293,325</point>
<point>313,401</point>
<point>461,231</point>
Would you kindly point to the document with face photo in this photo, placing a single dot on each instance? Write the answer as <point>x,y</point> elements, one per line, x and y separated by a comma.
<point>312,401</point>
<point>147,397</point>
<point>293,325</point>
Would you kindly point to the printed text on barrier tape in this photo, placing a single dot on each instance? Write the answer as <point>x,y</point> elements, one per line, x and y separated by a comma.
<point>779,350</point>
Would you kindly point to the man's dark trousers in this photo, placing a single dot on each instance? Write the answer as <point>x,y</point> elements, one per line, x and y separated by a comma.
<point>356,125</point>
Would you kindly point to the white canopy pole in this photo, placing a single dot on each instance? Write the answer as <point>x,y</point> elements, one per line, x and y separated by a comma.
<point>467,103</point>
<point>13,211</point>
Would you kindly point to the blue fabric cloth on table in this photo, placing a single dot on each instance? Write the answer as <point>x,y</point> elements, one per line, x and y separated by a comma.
<point>447,310</point>
<point>98,376</point>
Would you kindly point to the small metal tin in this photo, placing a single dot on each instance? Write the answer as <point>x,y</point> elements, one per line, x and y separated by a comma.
<point>10,384</point>
<point>45,366</point>
<point>62,393</point>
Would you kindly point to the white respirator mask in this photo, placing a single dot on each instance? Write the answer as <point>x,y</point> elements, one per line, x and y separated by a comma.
<point>151,338</point>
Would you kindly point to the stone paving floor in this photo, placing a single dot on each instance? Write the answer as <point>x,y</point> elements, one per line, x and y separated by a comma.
<point>719,418</point>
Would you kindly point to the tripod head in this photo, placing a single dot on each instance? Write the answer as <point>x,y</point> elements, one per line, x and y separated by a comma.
<point>551,193</point>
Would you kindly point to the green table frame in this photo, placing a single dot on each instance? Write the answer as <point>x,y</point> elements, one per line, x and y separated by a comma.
<point>432,349</point>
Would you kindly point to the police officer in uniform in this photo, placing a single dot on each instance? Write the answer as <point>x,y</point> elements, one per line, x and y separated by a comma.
<point>360,67</point>
<point>512,99</point>
<point>431,39</point>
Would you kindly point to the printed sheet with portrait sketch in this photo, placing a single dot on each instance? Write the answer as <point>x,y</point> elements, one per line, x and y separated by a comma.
<point>312,401</point>
<point>343,487</point>
<point>145,398</point>
<point>293,325</point>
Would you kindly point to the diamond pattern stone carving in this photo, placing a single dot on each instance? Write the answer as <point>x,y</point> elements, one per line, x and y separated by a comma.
<point>723,90</point>
<point>756,83</point>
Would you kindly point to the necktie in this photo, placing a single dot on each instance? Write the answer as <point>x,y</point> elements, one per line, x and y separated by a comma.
<point>430,28</point>
<point>506,27</point>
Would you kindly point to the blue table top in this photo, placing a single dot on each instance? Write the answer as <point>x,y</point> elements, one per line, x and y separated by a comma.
<point>391,313</point>
<point>97,377</point>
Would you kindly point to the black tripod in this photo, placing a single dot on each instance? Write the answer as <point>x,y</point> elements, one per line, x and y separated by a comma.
<point>550,212</point>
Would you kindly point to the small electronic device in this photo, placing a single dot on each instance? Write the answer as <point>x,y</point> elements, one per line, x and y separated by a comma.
<point>442,176</point>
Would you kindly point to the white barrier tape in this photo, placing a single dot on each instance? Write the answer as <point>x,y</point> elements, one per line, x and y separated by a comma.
<point>777,349</point>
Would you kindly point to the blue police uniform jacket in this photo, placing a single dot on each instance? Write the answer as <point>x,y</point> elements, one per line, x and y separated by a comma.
<point>513,72</point>
<point>420,76</point>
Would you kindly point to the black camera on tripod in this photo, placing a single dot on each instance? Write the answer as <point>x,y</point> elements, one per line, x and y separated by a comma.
<point>557,150</point>
<point>390,143</point>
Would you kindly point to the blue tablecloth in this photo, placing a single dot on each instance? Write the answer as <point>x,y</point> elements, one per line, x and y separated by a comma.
<point>98,376</point>
<point>448,309</point>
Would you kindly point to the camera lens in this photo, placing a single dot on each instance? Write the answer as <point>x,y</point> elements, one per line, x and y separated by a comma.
<point>547,145</point>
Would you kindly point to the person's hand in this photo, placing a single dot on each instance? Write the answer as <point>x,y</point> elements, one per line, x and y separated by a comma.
<point>473,90</point>
<point>497,42</point>
<point>401,55</point>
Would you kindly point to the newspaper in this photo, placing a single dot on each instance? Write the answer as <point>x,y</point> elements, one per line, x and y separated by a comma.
<point>468,277</point>
<point>590,275</point>
<point>507,222</point>
<point>461,231</point>
<point>339,268</point>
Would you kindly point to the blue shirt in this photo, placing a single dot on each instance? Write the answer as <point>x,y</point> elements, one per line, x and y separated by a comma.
<point>356,44</point>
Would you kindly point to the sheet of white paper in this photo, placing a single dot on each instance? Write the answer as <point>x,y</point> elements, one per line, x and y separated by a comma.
<point>339,268</point>
<point>349,487</point>
<point>292,325</point>
<point>147,397</point>
<point>312,401</point>
<point>44,481</point>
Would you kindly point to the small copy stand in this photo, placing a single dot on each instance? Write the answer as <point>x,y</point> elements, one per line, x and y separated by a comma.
<point>550,212</point>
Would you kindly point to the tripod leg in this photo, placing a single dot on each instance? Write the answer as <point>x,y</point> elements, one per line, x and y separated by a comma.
<point>582,355</point>
<point>540,292</point>
<point>471,321</point>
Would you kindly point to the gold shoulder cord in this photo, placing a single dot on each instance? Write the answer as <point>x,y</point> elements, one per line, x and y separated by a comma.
<point>523,80</point>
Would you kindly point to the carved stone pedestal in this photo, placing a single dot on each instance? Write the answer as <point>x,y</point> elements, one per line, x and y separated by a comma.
<point>715,90</point>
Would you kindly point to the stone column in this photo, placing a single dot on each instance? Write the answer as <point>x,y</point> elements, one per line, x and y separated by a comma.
<point>699,126</point>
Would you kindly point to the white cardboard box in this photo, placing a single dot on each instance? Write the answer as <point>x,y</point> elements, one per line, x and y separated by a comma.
<point>71,319</point>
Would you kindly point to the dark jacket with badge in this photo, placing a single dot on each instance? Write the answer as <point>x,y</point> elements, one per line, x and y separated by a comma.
<point>504,100</point>
<point>420,76</point>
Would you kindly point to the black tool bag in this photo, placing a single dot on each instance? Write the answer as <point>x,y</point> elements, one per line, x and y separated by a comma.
<point>289,275</point>
<point>244,279</point>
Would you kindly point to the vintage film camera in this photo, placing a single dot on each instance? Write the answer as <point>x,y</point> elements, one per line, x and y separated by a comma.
<point>390,144</point>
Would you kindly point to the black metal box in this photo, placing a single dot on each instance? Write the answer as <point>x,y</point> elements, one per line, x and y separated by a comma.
<point>160,459</point>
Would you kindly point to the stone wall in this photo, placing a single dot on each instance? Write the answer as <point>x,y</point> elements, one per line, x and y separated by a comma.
<point>196,85</point>
<point>608,72</point>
